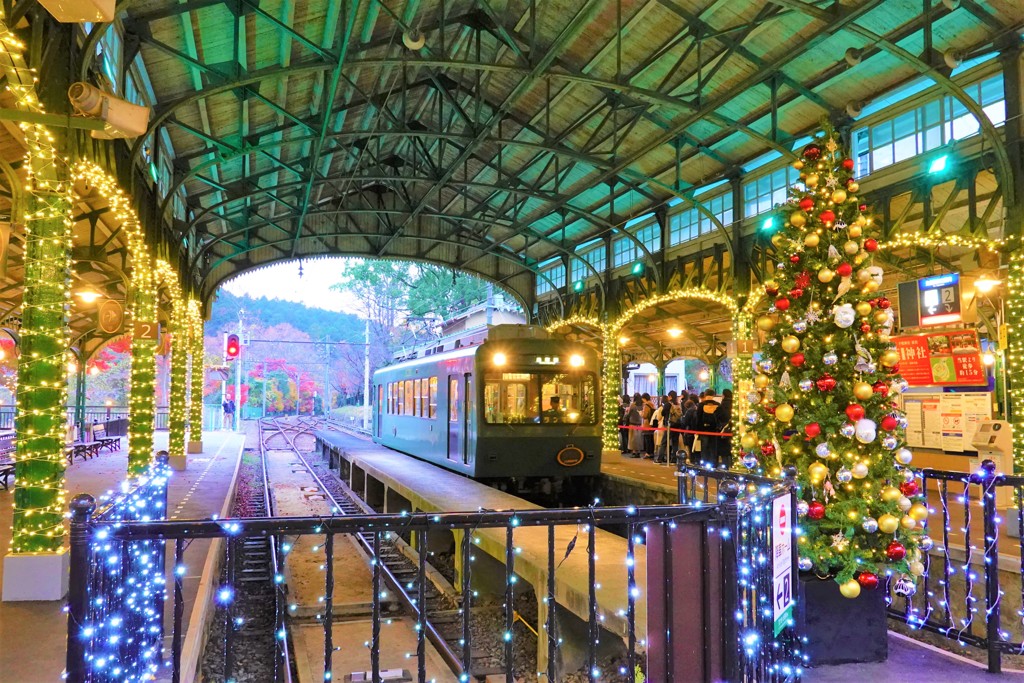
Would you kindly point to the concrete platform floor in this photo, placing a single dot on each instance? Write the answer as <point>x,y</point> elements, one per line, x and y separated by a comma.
<point>33,634</point>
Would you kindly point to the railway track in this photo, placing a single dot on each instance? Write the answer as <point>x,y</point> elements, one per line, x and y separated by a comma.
<point>404,570</point>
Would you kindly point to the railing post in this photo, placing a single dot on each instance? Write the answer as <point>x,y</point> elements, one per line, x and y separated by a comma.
<point>729,491</point>
<point>992,616</point>
<point>82,507</point>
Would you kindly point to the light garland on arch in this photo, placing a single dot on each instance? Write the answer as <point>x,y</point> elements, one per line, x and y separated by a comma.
<point>1015,354</point>
<point>141,308</point>
<point>196,371</point>
<point>42,380</point>
<point>179,358</point>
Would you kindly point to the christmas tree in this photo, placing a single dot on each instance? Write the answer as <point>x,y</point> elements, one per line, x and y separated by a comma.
<point>826,380</point>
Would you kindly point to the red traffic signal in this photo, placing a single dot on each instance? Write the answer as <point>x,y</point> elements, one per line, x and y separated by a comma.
<point>231,346</point>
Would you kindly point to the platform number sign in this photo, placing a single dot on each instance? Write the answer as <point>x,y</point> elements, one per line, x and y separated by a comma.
<point>782,561</point>
<point>932,300</point>
<point>146,330</point>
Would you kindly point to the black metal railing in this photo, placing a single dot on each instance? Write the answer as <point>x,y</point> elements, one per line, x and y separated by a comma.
<point>117,592</point>
<point>957,600</point>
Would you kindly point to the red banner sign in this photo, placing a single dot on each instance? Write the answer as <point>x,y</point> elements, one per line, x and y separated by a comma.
<point>945,359</point>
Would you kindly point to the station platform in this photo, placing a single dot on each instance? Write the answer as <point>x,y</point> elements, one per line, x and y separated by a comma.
<point>432,489</point>
<point>33,634</point>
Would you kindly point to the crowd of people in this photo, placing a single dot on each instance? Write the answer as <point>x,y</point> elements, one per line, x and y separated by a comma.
<point>688,426</point>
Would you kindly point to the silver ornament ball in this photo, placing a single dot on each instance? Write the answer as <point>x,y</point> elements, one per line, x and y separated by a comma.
<point>844,475</point>
<point>830,358</point>
<point>870,525</point>
<point>823,450</point>
<point>890,442</point>
<point>804,564</point>
<point>802,507</point>
<point>848,430</point>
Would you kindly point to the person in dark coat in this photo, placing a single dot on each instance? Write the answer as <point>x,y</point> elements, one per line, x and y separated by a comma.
<point>706,422</point>
<point>624,402</point>
<point>634,420</point>
<point>690,423</point>
<point>647,414</point>
<point>723,423</point>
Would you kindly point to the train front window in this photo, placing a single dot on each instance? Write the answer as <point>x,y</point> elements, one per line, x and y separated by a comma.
<point>544,398</point>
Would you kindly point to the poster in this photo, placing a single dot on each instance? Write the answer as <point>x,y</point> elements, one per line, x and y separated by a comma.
<point>782,560</point>
<point>943,359</point>
<point>945,421</point>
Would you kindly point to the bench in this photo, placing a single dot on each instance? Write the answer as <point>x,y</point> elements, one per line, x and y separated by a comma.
<point>6,460</point>
<point>82,448</point>
<point>99,435</point>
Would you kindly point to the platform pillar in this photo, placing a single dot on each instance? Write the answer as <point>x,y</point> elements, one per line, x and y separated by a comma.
<point>179,361</point>
<point>142,399</point>
<point>196,379</point>
<point>36,567</point>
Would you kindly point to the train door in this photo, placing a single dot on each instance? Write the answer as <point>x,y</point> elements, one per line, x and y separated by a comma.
<point>467,415</point>
<point>380,409</point>
<point>455,421</point>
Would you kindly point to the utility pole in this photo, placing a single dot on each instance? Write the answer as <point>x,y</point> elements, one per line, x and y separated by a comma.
<point>237,416</point>
<point>366,377</point>
<point>327,378</point>
<point>264,389</point>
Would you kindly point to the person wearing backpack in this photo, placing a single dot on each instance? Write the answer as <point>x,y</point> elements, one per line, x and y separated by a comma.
<point>634,421</point>
<point>690,424</point>
<point>675,421</point>
<point>707,422</point>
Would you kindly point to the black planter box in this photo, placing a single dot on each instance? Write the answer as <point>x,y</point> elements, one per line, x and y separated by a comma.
<point>840,630</point>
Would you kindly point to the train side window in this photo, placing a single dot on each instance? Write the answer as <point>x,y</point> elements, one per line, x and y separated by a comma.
<point>391,398</point>
<point>433,397</point>
<point>453,399</point>
<point>417,397</point>
<point>408,398</point>
<point>399,399</point>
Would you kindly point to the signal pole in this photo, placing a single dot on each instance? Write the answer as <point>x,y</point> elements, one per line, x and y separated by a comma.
<point>236,417</point>
<point>366,378</point>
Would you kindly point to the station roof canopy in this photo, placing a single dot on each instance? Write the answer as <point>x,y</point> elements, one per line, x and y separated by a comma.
<point>493,135</point>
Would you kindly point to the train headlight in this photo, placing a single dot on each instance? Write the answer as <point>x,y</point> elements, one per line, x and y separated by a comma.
<point>499,359</point>
<point>576,360</point>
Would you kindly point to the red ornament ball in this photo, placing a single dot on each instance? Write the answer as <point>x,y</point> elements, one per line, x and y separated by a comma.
<point>812,430</point>
<point>796,360</point>
<point>806,203</point>
<point>896,551</point>
<point>855,412</point>
<point>812,151</point>
<point>848,164</point>
<point>880,388</point>
<point>827,216</point>
<point>795,258</point>
<point>826,383</point>
<point>894,370</point>
<point>844,270</point>
<point>815,510</point>
<point>802,280</point>
<point>865,328</point>
<point>867,580</point>
<point>768,449</point>
<point>909,489</point>
<point>863,207</point>
<point>883,302</point>
<point>871,244</point>
<point>889,423</point>
<point>771,290</point>
<point>782,303</point>
<point>796,292</point>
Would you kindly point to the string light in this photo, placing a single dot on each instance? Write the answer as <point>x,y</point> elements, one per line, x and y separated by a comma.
<point>166,276</point>
<point>196,356</point>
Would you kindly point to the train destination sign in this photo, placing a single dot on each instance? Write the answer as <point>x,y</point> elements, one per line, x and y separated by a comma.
<point>930,301</point>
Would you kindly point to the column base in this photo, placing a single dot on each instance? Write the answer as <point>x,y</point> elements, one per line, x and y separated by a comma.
<point>36,576</point>
<point>194,447</point>
<point>178,462</point>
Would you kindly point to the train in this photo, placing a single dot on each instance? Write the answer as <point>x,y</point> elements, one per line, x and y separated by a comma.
<point>511,404</point>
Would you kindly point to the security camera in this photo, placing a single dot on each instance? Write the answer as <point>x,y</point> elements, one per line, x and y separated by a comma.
<point>854,109</point>
<point>123,119</point>
<point>853,56</point>
<point>953,58</point>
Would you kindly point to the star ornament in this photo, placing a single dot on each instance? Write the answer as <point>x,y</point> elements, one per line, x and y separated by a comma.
<point>831,181</point>
<point>840,543</point>
<point>831,145</point>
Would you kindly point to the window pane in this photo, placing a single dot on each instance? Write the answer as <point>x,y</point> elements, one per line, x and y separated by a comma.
<point>433,397</point>
<point>453,399</point>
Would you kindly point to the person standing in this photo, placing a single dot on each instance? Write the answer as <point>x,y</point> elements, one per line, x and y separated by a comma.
<point>707,423</point>
<point>634,422</point>
<point>647,413</point>
<point>675,421</point>
<point>723,423</point>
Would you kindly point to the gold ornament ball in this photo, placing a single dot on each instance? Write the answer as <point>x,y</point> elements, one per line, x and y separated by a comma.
<point>798,219</point>
<point>798,164</point>
<point>762,381</point>
<point>812,240</point>
<point>771,284</point>
<point>881,317</point>
<point>916,568</point>
<point>863,391</point>
<point>851,247</point>
<point>890,494</point>
<point>778,239</point>
<point>748,440</point>
<point>825,275</point>
<point>853,187</point>
<point>811,180</point>
<point>870,285</point>
<point>908,523</point>
<point>850,589</point>
<point>884,338</point>
<point>889,358</point>
<point>863,275</point>
<point>839,196</point>
<point>861,220</point>
<point>863,308</point>
<point>904,503</point>
<point>766,323</point>
<point>859,471</point>
<point>817,471</point>
<point>790,344</point>
<point>855,231</point>
<point>918,512</point>
<point>888,524</point>
<point>783,412</point>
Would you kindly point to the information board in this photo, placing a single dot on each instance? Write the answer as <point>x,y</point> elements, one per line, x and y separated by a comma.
<point>932,300</point>
<point>945,421</point>
<point>782,560</point>
<point>942,359</point>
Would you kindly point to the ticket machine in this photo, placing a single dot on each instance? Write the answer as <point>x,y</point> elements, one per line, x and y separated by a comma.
<point>994,441</point>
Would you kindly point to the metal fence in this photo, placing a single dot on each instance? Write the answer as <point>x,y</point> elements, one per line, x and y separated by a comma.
<point>967,588</point>
<point>93,415</point>
<point>108,554</point>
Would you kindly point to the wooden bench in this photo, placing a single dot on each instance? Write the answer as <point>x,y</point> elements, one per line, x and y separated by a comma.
<point>82,447</point>
<point>99,435</point>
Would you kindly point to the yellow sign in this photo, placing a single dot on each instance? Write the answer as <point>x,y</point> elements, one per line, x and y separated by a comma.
<point>1003,341</point>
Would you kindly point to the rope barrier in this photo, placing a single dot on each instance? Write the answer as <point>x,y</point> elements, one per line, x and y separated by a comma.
<point>646,428</point>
